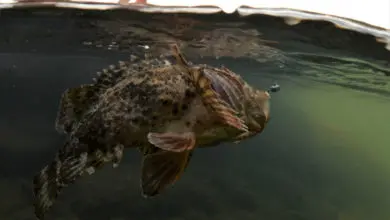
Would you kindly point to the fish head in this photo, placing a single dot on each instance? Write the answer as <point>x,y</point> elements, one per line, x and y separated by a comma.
<point>258,110</point>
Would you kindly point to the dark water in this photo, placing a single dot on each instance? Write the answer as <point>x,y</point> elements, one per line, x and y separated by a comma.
<point>324,156</point>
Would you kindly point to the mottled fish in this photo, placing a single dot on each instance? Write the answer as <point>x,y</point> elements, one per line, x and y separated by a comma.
<point>162,108</point>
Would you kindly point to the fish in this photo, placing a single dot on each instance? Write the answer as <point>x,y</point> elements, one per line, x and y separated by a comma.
<point>164,109</point>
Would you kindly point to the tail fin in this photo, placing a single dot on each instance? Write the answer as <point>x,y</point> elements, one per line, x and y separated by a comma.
<point>70,163</point>
<point>64,170</point>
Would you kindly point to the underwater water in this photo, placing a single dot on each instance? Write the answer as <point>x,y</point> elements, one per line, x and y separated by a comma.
<point>323,156</point>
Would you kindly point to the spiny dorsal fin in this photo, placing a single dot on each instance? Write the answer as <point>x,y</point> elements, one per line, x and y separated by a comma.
<point>108,77</point>
<point>75,102</point>
<point>180,59</point>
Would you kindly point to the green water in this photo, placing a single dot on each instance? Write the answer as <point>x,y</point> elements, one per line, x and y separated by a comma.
<point>323,156</point>
<point>315,161</point>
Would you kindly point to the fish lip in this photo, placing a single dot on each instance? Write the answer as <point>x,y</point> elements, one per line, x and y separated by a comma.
<point>266,117</point>
<point>261,124</point>
<point>259,129</point>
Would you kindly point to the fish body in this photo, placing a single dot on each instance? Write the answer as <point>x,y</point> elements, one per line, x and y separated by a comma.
<point>165,110</point>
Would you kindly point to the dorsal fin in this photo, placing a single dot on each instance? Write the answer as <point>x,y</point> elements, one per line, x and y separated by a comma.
<point>75,102</point>
<point>180,59</point>
<point>108,77</point>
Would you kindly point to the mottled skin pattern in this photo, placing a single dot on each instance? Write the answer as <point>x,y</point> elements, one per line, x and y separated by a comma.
<point>128,101</point>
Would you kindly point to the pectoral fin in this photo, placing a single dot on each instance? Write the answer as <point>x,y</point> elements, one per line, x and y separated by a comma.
<point>174,142</point>
<point>211,99</point>
<point>222,109</point>
<point>161,170</point>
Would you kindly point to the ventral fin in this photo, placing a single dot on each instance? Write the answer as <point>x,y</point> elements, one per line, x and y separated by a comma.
<point>174,142</point>
<point>161,170</point>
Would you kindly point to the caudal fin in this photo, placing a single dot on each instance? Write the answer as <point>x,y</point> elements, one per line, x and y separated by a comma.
<point>70,163</point>
<point>49,182</point>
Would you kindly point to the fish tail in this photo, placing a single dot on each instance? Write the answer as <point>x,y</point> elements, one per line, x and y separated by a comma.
<point>49,182</point>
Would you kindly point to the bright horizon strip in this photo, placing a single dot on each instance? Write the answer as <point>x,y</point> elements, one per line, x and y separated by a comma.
<point>373,12</point>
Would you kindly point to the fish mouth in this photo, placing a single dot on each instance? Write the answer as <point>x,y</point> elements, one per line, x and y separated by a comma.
<point>263,123</point>
<point>257,124</point>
